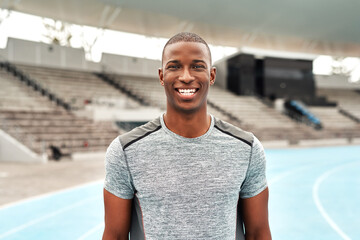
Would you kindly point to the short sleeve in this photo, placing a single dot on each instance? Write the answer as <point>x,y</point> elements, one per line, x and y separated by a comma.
<point>255,180</point>
<point>117,175</point>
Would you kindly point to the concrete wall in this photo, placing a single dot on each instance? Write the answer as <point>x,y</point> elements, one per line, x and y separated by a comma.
<point>221,74</point>
<point>27,52</point>
<point>130,65</point>
<point>335,81</point>
<point>33,53</point>
<point>12,150</point>
<point>99,113</point>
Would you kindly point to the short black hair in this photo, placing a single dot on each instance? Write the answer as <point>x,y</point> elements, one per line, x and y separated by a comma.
<point>186,37</point>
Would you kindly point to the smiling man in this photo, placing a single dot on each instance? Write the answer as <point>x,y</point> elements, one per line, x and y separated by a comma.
<point>186,174</point>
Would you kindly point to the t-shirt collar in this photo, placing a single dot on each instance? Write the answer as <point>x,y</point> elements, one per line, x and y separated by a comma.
<point>168,131</point>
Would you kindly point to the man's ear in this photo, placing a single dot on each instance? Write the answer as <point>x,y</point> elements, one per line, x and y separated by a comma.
<point>212,75</point>
<point>161,76</point>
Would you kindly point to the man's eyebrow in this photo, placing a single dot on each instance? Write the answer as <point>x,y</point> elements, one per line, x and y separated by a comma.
<point>194,61</point>
<point>197,61</point>
<point>173,61</point>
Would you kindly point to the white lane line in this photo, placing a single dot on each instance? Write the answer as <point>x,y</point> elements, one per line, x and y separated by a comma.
<point>49,194</point>
<point>91,231</point>
<point>321,209</point>
<point>40,219</point>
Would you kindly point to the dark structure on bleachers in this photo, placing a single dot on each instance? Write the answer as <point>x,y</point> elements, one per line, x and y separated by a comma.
<point>271,77</point>
<point>241,74</point>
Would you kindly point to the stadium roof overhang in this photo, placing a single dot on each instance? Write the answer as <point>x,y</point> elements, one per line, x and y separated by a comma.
<point>328,27</point>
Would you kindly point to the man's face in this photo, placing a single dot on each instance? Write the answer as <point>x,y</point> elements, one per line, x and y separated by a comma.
<point>186,75</point>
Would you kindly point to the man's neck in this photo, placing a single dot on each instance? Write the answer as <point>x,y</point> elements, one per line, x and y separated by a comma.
<point>189,125</point>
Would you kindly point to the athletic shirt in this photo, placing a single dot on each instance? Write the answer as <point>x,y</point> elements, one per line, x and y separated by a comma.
<point>185,188</point>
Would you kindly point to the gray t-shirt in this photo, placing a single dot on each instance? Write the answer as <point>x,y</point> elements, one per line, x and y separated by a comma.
<point>185,188</point>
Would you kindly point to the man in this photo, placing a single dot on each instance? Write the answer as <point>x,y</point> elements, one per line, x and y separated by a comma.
<point>186,174</point>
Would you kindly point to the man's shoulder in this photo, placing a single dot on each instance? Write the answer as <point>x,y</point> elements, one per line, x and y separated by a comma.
<point>233,131</point>
<point>140,132</point>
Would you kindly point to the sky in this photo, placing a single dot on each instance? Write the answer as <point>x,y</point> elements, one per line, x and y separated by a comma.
<point>32,28</point>
<point>96,41</point>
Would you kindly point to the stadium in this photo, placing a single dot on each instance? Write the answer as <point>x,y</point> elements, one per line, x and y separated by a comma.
<point>76,74</point>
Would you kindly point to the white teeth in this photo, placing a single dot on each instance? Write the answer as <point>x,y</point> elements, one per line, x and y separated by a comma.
<point>187,92</point>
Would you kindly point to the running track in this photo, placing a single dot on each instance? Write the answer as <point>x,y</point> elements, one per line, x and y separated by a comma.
<point>314,194</point>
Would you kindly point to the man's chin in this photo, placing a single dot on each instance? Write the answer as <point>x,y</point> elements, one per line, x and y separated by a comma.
<point>189,109</point>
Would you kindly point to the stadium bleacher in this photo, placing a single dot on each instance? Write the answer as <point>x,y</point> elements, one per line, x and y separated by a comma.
<point>348,100</point>
<point>78,88</point>
<point>249,110</point>
<point>332,118</point>
<point>67,132</point>
<point>40,123</point>
<point>16,95</point>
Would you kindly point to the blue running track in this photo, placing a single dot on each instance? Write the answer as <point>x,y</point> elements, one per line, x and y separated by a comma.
<point>314,194</point>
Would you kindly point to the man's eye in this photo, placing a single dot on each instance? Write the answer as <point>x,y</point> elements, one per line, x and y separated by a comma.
<point>173,67</point>
<point>198,66</point>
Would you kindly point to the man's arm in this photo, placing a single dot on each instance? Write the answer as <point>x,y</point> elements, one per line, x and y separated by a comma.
<point>117,217</point>
<point>255,216</point>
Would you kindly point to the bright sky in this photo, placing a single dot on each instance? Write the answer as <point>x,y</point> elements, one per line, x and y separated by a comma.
<point>29,27</point>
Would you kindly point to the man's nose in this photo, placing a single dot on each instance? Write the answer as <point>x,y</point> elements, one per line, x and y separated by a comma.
<point>186,76</point>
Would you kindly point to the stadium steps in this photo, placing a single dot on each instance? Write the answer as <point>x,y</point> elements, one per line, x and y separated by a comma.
<point>109,79</point>
<point>354,115</point>
<point>330,117</point>
<point>69,133</point>
<point>249,110</point>
<point>347,99</point>
<point>38,123</point>
<point>32,83</point>
<point>298,133</point>
<point>78,88</point>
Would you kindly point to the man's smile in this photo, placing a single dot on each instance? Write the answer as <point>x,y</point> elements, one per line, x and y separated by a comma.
<point>187,91</point>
